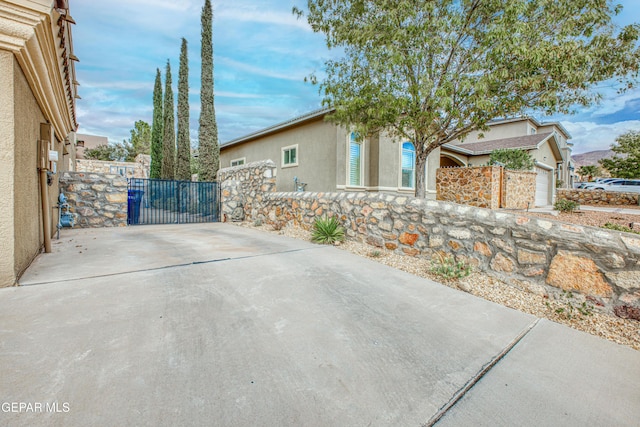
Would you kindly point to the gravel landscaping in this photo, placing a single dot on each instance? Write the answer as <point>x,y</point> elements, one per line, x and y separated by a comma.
<point>595,218</point>
<point>569,309</point>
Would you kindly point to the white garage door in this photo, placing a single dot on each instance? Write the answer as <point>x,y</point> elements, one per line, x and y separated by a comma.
<point>543,179</point>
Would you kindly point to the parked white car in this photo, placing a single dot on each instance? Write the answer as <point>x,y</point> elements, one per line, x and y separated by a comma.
<point>621,185</point>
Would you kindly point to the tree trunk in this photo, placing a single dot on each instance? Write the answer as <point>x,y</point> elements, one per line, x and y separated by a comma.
<point>421,182</point>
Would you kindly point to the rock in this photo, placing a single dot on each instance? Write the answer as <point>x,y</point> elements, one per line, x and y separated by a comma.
<point>625,279</point>
<point>464,286</point>
<point>530,257</point>
<point>573,273</point>
<point>482,248</point>
<point>627,312</point>
<point>408,238</point>
<point>503,263</point>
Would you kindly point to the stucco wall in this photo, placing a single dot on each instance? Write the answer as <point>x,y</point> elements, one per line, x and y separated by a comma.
<point>27,219</point>
<point>7,248</point>
<point>316,154</point>
<point>505,130</point>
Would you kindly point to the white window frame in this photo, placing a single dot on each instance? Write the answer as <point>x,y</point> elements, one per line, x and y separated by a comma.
<point>400,186</point>
<point>288,148</point>
<point>236,161</point>
<point>362,162</point>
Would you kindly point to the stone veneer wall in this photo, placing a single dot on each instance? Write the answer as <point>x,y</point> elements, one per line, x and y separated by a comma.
<point>519,189</point>
<point>98,200</point>
<point>137,169</point>
<point>242,189</point>
<point>538,255</point>
<point>598,197</point>
<point>481,186</point>
<point>475,186</point>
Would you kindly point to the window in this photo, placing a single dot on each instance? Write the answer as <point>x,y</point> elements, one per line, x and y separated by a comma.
<point>238,162</point>
<point>532,131</point>
<point>121,170</point>
<point>355,159</point>
<point>408,165</point>
<point>290,156</point>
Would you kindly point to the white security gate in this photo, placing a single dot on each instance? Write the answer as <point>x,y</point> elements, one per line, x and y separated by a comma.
<point>543,183</point>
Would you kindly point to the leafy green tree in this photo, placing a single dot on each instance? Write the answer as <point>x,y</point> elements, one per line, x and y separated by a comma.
<point>431,71</point>
<point>140,139</point>
<point>157,129</point>
<point>118,152</point>
<point>168,170</point>
<point>183,158</point>
<point>512,158</point>
<point>627,164</point>
<point>209,158</point>
<point>589,171</point>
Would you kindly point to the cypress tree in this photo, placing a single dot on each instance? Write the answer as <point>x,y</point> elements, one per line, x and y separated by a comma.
<point>156,129</point>
<point>183,158</point>
<point>169,135</point>
<point>209,150</point>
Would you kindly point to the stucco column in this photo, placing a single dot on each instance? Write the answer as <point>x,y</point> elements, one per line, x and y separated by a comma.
<point>7,165</point>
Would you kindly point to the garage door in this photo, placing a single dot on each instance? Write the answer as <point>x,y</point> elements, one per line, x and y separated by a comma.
<point>543,178</point>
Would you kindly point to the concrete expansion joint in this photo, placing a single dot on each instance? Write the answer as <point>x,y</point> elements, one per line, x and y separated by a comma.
<point>166,267</point>
<point>478,376</point>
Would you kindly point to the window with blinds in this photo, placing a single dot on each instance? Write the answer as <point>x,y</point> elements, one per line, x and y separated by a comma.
<point>355,160</point>
<point>408,165</point>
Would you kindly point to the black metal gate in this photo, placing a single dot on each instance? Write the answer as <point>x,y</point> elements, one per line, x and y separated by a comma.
<point>161,201</point>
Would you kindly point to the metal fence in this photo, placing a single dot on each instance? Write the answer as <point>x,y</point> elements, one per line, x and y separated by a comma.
<point>161,201</point>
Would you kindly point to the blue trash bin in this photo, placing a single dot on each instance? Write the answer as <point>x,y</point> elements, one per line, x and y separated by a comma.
<point>134,199</point>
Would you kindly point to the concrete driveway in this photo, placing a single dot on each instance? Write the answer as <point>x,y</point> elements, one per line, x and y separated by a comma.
<point>219,325</point>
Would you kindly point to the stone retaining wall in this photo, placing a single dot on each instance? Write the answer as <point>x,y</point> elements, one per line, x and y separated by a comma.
<point>137,169</point>
<point>98,200</point>
<point>486,187</point>
<point>242,189</point>
<point>598,197</point>
<point>538,255</point>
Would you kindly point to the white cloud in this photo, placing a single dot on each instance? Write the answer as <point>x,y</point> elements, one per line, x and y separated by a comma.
<point>241,66</point>
<point>590,136</point>
<point>613,102</point>
<point>251,14</point>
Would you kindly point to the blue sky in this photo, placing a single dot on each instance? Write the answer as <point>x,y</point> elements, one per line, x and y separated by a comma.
<point>262,54</point>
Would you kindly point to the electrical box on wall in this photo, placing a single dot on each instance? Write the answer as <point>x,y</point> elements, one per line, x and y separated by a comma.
<point>48,155</point>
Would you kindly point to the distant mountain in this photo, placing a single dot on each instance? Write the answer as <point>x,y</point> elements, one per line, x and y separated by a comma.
<point>591,157</point>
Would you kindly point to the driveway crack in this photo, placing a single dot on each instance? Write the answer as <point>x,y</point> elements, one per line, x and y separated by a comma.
<point>165,267</point>
<point>478,376</point>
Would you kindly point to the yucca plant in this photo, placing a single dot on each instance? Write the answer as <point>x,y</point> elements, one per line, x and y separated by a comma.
<point>327,230</point>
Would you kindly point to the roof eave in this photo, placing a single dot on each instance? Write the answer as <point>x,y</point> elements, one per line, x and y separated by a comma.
<point>314,115</point>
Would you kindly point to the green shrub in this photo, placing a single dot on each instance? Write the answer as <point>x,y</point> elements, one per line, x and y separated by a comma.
<point>564,205</point>
<point>327,230</point>
<point>448,268</point>
<point>618,227</point>
<point>512,158</point>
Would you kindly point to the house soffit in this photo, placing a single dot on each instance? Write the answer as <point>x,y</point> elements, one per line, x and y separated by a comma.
<point>40,39</point>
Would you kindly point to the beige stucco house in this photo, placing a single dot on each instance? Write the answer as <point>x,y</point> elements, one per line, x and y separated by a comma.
<point>37,125</point>
<point>328,157</point>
